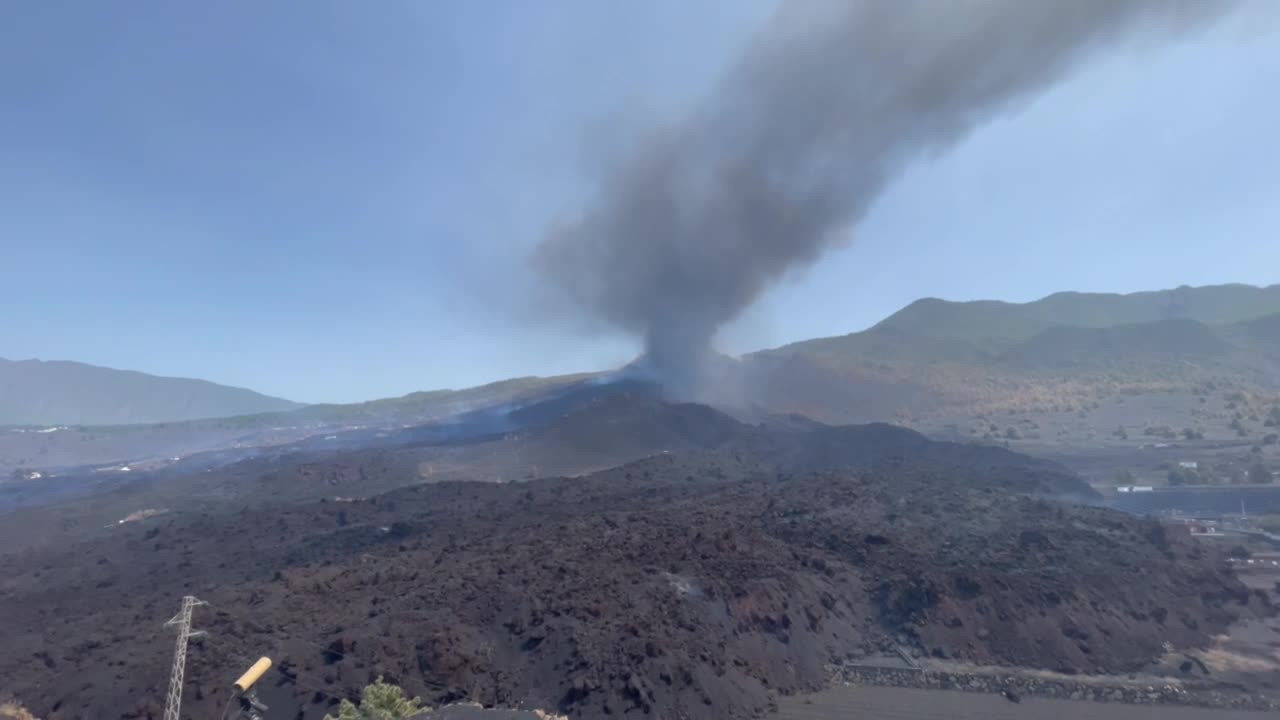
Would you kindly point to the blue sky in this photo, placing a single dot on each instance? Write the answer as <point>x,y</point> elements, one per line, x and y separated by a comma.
<point>335,201</point>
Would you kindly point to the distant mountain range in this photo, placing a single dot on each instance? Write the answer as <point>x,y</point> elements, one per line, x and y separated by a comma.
<point>1002,321</point>
<point>36,392</point>
<point>932,357</point>
<point>1062,352</point>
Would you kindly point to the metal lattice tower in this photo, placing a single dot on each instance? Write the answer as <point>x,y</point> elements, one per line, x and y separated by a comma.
<point>183,621</point>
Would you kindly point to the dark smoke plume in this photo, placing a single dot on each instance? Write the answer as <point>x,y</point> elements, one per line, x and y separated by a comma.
<point>827,105</point>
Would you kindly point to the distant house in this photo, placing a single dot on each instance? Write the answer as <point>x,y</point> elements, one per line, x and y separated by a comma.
<point>1188,464</point>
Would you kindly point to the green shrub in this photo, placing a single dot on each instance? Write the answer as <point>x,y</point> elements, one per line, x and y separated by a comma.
<point>1259,475</point>
<point>380,701</point>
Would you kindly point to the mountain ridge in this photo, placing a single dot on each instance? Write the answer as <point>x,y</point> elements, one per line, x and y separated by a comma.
<point>1212,304</point>
<point>925,349</point>
<point>66,392</point>
<point>1000,321</point>
<point>937,357</point>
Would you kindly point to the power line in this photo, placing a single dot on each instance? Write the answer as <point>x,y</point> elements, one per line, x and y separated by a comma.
<point>233,654</point>
<point>173,702</point>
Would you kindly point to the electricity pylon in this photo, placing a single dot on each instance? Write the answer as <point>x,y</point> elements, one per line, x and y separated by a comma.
<point>183,621</point>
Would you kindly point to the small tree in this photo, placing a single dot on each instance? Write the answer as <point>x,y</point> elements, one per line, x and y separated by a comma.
<point>1176,477</point>
<point>380,701</point>
<point>1259,475</point>
<point>1124,477</point>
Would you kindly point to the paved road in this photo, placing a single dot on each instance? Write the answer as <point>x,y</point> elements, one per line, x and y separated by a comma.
<point>892,703</point>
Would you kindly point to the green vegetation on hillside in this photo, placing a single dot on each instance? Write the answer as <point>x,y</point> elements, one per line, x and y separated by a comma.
<point>1218,304</point>
<point>1070,352</point>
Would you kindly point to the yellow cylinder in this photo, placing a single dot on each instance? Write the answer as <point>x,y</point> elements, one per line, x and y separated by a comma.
<point>252,675</point>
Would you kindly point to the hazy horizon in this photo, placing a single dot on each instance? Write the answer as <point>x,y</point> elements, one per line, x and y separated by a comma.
<point>332,204</point>
<point>609,367</point>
